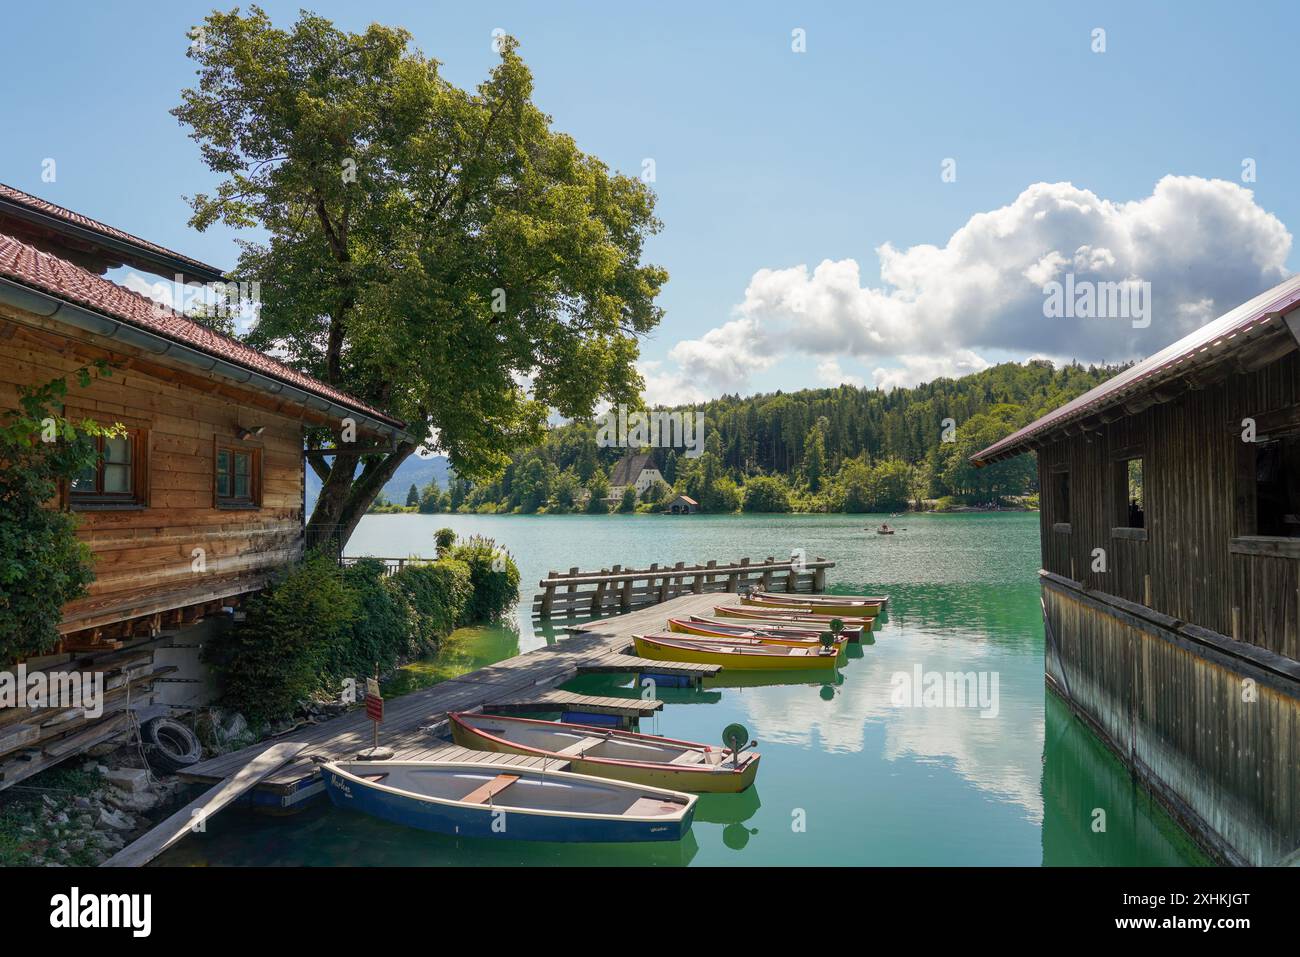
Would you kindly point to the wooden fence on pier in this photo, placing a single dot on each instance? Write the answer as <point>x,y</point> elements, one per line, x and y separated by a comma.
<point>616,589</point>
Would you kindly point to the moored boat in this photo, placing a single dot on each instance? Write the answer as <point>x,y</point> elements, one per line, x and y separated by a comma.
<point>621,755</point>
<point>858,609</point>
<point>820,597</point>
<point>733,655</point>
<point>746,632</point>
<point>792,616</point>
<point>466,799</point>
<point>776,626</point>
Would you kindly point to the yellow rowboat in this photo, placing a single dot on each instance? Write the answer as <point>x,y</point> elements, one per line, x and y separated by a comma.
<point>643,759</point>
<point>732,655</point>
<point>780,626</point>
<point>819,597</point>
<point>746,633</point>
<point>789,617</point>
<point>821,608</point>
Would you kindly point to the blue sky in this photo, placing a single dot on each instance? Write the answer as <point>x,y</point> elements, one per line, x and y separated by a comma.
<point>767,159</point>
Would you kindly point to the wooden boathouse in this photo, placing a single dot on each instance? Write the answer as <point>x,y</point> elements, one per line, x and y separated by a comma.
<point>200,502</point>
<point>1170,573</point>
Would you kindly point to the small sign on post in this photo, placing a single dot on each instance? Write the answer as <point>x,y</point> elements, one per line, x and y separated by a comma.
<point>375,712</point>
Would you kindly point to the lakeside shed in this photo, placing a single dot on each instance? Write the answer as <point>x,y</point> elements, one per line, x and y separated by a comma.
<point>682,505</point>
<point>203,500</point>
<point>1170,576</point>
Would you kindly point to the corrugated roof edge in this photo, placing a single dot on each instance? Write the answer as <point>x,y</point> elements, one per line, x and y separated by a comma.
<point>1196,348</point>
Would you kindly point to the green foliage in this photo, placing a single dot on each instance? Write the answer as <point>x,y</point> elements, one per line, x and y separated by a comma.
<point>814,458</point>
<point>426,245</point>
<point>809,437</point>
<point>443,539</point>
<point>432,500</point>
<point>382,632</point>
<point>319,624</point>
<point>290,644</point>
<point>567,486</point>
<point>413,497</point>
<point>42,564</point>
<point>439,595</point>
<point>597,491</point>
<point>628,502</point>
<point>883,487</point>
<point>494,575</point>
<point>764,493</point>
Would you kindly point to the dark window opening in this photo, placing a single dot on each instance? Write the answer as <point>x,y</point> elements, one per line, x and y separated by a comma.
<point>1130,495</point>
<point>1061,492</point>
<point>1277,487</point>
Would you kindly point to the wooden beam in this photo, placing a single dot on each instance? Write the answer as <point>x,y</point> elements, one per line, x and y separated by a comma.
<point>141,852</point>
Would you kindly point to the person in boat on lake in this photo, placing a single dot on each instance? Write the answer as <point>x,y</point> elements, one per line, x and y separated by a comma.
<point>884,527</point>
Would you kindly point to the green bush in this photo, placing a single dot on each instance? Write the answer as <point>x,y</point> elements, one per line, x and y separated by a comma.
<point>439,595</point>
<point>443,539</point>
<point>383,631</point>
<point>494,575</point>
<point>766,494</point>
<point>291,641</point>
<point>42,564</point>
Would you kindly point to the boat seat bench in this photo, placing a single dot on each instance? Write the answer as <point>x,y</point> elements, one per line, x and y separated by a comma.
<point>579,746</point>
<point>485,791</point>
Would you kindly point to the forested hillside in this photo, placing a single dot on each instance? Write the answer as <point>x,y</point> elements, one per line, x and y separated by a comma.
<point>842,449</point>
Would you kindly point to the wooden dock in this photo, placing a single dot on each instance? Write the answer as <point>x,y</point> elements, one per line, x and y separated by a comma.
<point>619,589</point>
<point>525,682</point>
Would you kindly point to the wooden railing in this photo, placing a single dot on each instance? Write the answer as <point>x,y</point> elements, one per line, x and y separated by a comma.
<point>618,589</point>
<point>391,565</point>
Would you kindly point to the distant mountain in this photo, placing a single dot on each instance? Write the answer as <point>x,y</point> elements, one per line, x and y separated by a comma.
<point>414,470</point>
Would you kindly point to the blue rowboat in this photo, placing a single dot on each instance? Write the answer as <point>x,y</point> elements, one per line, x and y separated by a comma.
<point>467,799</point>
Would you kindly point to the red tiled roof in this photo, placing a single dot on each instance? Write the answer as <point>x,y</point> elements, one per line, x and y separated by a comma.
<point>42,271</point>
<point>1206,344</point>
<point>46,208</point>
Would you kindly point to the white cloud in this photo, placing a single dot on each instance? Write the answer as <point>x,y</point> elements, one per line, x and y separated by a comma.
<point>914,369</point>
<point>722,360</point>
<point>1203,245</point>
<point>830,373</point>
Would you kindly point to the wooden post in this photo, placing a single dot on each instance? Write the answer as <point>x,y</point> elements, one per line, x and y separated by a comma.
<point>792,580</point>
<point>598,597</point>
<point>678,580</point>
<point>548,597</point>
<point>708,579</point>
<point>625,596</point>
<point>650,582</point>
<point>744,575</point>
<point>819,576</point>
<point>767,573</point>
<point>697,583</point>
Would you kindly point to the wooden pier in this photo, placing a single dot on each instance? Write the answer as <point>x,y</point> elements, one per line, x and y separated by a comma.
<point>616,589</point>
<point>525,682</point>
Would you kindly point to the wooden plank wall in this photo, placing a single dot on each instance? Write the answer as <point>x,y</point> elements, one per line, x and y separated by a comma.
<point>143,556</point>
<point>1228,763</point>
<point>1190,447</point>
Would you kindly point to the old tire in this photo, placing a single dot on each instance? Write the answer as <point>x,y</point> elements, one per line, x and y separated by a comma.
<point>169,745</point>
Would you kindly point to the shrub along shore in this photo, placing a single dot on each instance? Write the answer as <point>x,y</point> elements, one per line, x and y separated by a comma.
<point>320,624</point>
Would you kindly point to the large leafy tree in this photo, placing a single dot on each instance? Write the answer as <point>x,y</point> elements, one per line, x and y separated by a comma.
<point>441,253</point>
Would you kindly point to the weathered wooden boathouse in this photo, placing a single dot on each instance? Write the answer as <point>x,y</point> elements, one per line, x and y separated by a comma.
<point>1171,571</point>
<point>199,503</point>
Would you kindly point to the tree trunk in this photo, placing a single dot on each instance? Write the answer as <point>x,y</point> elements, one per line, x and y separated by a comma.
<point>344,498</point>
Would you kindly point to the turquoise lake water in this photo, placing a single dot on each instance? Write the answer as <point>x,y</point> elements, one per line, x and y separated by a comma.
<point>848,775</point>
